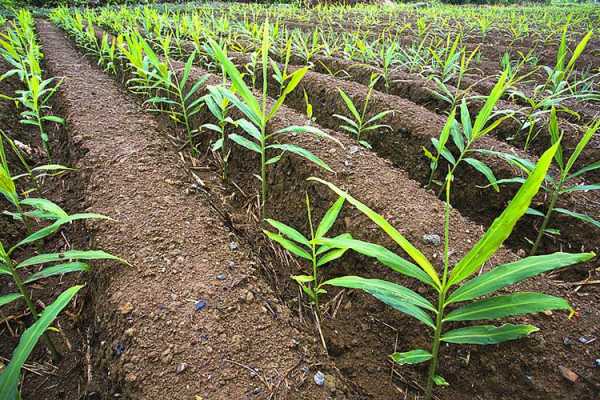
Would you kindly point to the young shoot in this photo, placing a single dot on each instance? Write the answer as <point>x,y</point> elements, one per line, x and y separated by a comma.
<point>316,254</point>
<point>465,135</point>
<point>358,123</point>
<point>257,115</point>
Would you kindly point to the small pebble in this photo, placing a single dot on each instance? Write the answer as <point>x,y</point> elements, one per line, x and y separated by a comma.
<point>180,368</point>
<point>432,239</point>
<point>200,305</point>
<point>319,378</point>
<point>587,339</point>
<point>597,363</point>
<point>221,277</point>
<point>233,246</point>
<point>568,374</point>
<point>354,149</point>
<point>119,349</point>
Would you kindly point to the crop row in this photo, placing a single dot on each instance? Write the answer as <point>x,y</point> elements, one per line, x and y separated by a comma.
<point>27,259</point>
<point>248,118</point>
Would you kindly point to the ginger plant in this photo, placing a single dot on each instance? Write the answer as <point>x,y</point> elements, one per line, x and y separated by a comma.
<point>457,293</point>
<point>257,115</point>
<point>307,248</point>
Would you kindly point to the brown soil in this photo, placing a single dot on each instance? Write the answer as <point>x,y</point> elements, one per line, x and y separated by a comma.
<point>363,332</point>
<point>148,339</point>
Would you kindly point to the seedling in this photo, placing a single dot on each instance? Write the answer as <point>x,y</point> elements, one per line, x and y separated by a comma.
<point>317,255</point>
<point>358,124</point>
<point>257,115</point>
<point>466,135</point>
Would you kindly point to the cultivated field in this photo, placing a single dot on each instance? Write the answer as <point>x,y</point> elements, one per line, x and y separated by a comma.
<point>241,201</point>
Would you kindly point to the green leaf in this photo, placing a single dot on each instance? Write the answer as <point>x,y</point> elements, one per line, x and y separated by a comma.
<point>508,274</point>
<point>45,205</point>
<point>288,245</point>
<point>486,111</point>
<point>440,381</point>
<point>373,286</point>
<point>583,170</point>
<point>69,255</point>
<point>331,256</point>
<point>502,226</point>
<point>330,217</point>
<point>9,379</point>
<point>350,105</point>
<point>235,77</point>
<point>488,334</point>
<point>581,188</point>
<point>58,269</point>
<point>301,152</point>
<point>50,229</point>
<point>9,298</point>
<point>294,80</point>
<point>485,170</point>
<point>53,118</point>
<point>299,129</point>
<point>242,141</point>
<point>383,255</point>
<point>412,251</point>
<point>301,279</point>
<point>508,305</point>
<point>289,232</point>
<point>250,128</point>
<point>587,136</point>
<point>411,357</point>
<point>582,217</point>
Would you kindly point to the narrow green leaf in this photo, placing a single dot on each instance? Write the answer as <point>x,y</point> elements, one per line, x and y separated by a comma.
<point>502,226</point>
<point>488,334</point>
<point>242,141</point>
<point>330,217</point>
<point>303,153</point>
<point>412,251</point>
<point>9,379</point>
<point>69,255</point>
<point>288,245</point>
<point>289,232</point>
<point>9,298</point>
<point>373,286</point>
<point>58,269</point>
<point>508,274</point>
<point>485,170</point>
<point>506,306</point>
<point>416,356</point>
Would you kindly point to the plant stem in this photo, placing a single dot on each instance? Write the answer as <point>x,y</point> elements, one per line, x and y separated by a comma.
<point>435,348</point>
<point>29,302</point>
<point>263,175</point>
<point>540,234</point>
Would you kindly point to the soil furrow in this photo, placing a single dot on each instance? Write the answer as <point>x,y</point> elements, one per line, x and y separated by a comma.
<point>168,325</point>
<point>360,350</point>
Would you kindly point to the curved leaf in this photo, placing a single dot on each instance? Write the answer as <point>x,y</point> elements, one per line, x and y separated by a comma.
<point>502,226</point>
<point>508,274</point>
<point>508,305</point>
<point>374,286</point>
<point>9,378</point>
<point>416,356</point>
<point>411,250</point>
<point>488,334</point>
